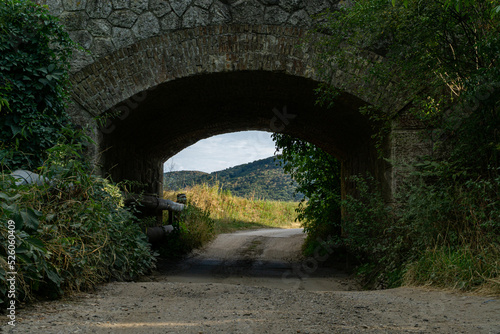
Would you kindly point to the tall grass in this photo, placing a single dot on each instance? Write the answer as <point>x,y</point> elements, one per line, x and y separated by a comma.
<point>231,213</point>
<point>460,227</point>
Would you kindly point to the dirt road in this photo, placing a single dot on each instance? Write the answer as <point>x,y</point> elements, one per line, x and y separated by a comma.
<point>256,282</point>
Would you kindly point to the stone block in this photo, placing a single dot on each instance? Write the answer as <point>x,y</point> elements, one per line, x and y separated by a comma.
<point>55,6</point>
<point>82,37</point>
<point>99,28</point>
<point>291,5</point>
<point>170,22</point>
<point>159,7</point>
<point>74,20</point>
<point>102,46</point>
<point>251,12</point>
<point>71,5</point>
<point>300,19</point>
<point>121,4</point>
<point>123,18</point>
<point>99,9</point>
<point>139,6</point>
<point>275,15</point>
<point>205,4</point>
<point>180,6</point>
<point>147,25</point>
<point>195,16</point>
<point>122,37</point>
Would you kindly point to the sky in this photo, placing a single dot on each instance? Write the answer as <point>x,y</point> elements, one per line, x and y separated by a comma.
<point>223,151</point>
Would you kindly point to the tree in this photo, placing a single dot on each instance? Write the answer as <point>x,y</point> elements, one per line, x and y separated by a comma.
<point>35,53</point>
<point>447,52</point>
<point>317,174</point>
<point>444,56</point>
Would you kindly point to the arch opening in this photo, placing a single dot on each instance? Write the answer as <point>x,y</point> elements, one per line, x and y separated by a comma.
<point>161,122</point>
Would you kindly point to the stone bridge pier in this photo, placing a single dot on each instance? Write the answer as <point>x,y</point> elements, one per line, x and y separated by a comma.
<point>159,75</point>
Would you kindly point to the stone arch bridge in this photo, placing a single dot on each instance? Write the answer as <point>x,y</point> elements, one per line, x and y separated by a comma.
<point>173,72</point>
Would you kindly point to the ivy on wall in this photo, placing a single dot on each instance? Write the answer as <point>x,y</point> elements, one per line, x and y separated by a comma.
<point>34,61</point>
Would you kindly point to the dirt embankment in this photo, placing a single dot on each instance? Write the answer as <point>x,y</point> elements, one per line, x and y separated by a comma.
<point>256,282</point>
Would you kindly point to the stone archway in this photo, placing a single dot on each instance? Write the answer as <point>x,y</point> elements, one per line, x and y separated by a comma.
<point>170,91</point>
<point>176,72</point>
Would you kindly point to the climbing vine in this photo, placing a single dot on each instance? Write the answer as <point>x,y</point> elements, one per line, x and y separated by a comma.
<point>35,53</point>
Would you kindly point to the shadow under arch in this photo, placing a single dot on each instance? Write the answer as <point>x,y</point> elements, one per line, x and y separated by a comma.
<point>180,112</point>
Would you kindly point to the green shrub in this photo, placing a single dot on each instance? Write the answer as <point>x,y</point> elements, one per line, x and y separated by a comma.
<point>373,235</point>
<point>72,233</point>
<point>443,232</point>
<point>34,60</point>
<point>455,222</point>
<point>193,229</point>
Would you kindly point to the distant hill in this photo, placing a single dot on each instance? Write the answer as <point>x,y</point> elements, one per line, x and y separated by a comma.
<point>262,179</point>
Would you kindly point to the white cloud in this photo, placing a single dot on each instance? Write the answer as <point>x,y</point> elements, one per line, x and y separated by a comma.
<point>223,151</point>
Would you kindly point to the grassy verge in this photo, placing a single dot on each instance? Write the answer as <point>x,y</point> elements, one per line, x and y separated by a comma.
<point>444,234</point>
<point>231,213</point>
<point>212,212</point>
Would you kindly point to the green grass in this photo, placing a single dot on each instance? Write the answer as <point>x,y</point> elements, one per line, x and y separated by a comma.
<point>459,268</point>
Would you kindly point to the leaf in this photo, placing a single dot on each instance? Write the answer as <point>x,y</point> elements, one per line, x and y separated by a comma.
<point>8,198</point>
<point>54,276</point>
<point>27,219</point>
<point>36,244</point>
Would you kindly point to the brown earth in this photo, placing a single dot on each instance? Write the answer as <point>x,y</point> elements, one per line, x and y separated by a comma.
<point>257,282</point>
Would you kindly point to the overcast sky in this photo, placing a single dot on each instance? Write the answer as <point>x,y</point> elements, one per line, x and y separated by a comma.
<point>223,151</point>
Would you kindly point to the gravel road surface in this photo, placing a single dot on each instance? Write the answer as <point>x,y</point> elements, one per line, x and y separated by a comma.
<point>257,282</point>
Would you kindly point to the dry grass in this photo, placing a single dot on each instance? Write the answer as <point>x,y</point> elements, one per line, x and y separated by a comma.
<point>231,213</point>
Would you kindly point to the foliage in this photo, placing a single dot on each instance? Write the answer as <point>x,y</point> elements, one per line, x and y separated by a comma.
<point>455,228</point>
<point>193,228</point>
<point>72,232</point>
<point>440,233</point>
<point>318,177</point>
<point>373,235</point>
<point>440,60</point>
<point>34,60</point>
<point>262,179</point>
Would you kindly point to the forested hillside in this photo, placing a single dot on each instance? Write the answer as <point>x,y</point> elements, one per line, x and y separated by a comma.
<point>262,179</point>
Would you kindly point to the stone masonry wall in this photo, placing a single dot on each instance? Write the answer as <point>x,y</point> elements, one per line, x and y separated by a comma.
<point>104,26</point>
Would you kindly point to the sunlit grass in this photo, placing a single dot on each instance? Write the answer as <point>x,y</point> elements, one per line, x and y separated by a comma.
<point>231,213</point>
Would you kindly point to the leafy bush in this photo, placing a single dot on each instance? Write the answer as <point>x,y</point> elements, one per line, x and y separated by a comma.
<point>373,236</point>
<point>441,233</point>
<point>317,174</point>
<point>441,58</point>
<point>71,233</point>
<point>193,229</point>
<point>457,226</point>
<point>34,60</point>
